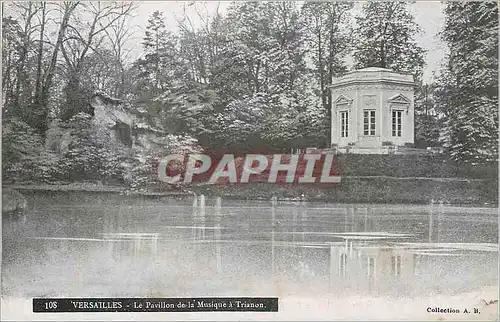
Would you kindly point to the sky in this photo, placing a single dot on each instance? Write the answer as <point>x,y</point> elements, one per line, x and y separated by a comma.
<point>429,15</point>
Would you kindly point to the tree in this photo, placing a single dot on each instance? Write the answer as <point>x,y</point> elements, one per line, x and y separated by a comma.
<point>428,123</point>
<point>28,89</point>
<point>11,36</point>
<point>40,106</point>
<point>469,83</point>
<point>198,46</point>
<point>18,41</point>
<point>244,68</point>
<point>160,47</point>
<point>21,149</point>
<point>83,39</point>
<point>118,34</point>
<point>385,37</point>
<point>101,71</point>
<point>328,35</point>
<point>238,128</point>
<point>42,19</point>
<point>264,58</point>
<point>28,11</point>
<point>328,30</point>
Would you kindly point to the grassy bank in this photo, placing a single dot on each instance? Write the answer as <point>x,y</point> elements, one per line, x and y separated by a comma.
<point>369,190</point>
<point>351,190</point>
<point>412,179</point>
<point>401,165</point>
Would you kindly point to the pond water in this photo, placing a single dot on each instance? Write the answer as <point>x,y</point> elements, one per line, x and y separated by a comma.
<point>89,245</point>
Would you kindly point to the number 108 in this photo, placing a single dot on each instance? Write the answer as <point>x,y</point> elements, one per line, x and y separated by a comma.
<point>50,305</point>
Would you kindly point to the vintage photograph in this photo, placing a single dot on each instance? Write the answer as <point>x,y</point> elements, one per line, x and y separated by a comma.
<point>250,160</point>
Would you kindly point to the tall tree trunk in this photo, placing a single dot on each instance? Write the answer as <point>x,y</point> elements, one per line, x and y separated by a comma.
<point>38,84</point>
<point>331,60</point>
<point>20,72</point>
<point>7,81</point>
<point>321,65</point>
<point>43,98</point>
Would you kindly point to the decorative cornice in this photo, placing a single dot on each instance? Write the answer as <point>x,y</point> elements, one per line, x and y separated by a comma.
<point>351,87</point>
<point>349,82</point>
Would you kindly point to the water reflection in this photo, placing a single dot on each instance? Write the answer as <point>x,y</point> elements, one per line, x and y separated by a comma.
<point>96,245</point>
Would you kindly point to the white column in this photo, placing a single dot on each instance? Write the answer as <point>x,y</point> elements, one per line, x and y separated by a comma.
<point>411,119</point>
<point>381,120</point>
<point>356,123</point>
<point>333,127</point>
<point>353,131</point>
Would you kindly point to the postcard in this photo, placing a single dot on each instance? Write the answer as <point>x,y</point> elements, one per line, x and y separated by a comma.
<point>249,160</point>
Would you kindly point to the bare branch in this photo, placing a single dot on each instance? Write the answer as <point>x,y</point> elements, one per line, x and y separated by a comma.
<point>122,10</point>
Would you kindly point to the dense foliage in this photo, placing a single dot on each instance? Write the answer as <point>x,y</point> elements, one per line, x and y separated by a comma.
<point>469,82</point>
<point>253,78</point>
